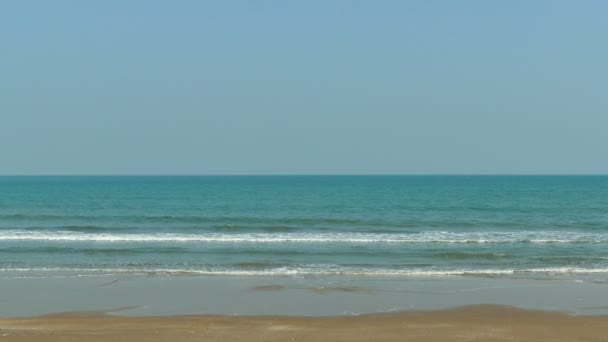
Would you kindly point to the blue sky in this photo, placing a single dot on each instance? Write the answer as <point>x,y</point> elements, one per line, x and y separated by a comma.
<point>308,87</point>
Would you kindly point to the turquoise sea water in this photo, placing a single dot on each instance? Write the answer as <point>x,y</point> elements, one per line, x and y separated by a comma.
<point>395,226</point>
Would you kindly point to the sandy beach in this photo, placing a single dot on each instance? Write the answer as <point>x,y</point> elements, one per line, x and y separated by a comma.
<point>472,323</point>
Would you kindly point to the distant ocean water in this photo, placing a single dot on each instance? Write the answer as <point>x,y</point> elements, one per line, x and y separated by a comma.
<point>395,226</point>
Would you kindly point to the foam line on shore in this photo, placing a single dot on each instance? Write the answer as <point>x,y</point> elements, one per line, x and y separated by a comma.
<point>534,237</point>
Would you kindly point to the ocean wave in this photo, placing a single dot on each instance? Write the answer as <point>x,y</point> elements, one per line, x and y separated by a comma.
<point>441,237</point>
<point>189,219</point>
<point>312,270</point>
<point>60,250</point>
<point>108,221</point>
<point>474,256</point>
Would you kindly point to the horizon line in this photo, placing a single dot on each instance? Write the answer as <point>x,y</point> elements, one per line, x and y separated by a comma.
<point>299,174</point>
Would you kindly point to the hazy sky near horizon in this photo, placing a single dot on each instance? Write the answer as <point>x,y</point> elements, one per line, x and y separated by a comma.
<point>306,87</point>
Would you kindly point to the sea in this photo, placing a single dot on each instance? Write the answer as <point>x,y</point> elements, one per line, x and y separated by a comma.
<point>305,226</point>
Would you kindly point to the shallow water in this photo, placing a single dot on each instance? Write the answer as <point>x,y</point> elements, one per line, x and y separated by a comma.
<point>135,295</point>
<point>532,227</point>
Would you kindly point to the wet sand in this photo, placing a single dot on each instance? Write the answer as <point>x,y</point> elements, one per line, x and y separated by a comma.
<point>291,296</point>
<point>472,323</point>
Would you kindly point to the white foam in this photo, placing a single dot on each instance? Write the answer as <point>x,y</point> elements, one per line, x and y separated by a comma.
<point>536,237</point>
<point>313,270</point>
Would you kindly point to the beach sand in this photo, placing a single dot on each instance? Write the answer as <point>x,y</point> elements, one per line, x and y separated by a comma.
<point>472,323</point>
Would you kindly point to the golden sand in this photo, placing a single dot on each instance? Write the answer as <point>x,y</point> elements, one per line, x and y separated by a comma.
<point>474,323</point>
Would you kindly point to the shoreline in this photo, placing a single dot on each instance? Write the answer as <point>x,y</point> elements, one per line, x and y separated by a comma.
<point>468,323</point>
<point>142,295</point>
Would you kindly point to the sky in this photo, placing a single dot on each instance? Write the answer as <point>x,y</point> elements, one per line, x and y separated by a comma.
<point>303,87</point>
